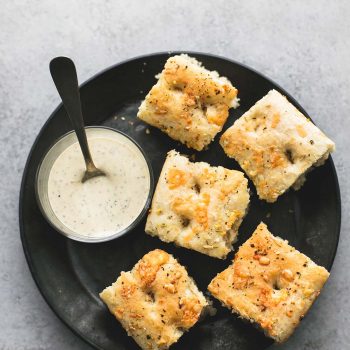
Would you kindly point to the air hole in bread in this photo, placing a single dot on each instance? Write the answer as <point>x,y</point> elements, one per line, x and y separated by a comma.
<point>258,122</point>
<point>151,296</point>
<point>177,88</point>
<point>276,285</point>
<point>197,187</point>
<point>185,221</point>
<point>289,155</point>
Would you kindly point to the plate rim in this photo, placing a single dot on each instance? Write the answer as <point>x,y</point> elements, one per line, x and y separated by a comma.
<point>56,311</point>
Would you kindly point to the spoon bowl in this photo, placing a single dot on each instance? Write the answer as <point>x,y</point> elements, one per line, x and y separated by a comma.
<point>92,171</point>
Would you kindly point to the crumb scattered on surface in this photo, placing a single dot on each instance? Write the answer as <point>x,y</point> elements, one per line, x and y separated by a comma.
<point>122,118</point>
<point>148,131</point>
<point>268,215</point>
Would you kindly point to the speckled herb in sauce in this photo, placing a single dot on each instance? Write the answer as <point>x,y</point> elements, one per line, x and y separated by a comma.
<point>103,205</point>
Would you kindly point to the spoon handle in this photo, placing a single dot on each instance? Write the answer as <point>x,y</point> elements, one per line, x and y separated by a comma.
<point>64,75</point>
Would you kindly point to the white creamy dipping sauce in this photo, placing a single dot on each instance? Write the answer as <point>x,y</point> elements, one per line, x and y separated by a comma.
<point>104,205</point>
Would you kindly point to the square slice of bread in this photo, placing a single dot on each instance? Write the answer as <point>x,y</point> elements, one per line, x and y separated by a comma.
<point>189,102</point>
<point>275,145</point>
<point>269,283</point>
<point>198,206</point>
<point>156,302</point>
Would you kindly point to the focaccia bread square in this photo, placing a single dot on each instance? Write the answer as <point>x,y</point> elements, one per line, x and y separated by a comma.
<point>275,145</point>
<point>269,283</point>
<point>198,206</point>
<point>189,102</point>
<point>156,302</point>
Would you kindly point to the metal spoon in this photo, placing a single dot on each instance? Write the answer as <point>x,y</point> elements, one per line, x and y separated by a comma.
<point>64,75</point>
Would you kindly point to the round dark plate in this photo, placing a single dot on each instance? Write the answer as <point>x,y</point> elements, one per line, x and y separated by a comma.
<point>70,274</point>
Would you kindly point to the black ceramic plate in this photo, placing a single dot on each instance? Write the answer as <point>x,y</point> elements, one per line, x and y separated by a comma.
<point>70,274</point>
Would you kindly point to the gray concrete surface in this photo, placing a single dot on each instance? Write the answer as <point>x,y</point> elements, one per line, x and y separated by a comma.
<point>302,45</point>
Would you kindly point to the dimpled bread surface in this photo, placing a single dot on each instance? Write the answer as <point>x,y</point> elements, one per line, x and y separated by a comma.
<point>156,302</point>
<point>189,102</point>
<point>198,206</point>
<point>269,283</point>
<point>275,145</point>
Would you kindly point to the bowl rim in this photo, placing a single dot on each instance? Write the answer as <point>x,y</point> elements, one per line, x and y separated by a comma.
<point>92,239</point>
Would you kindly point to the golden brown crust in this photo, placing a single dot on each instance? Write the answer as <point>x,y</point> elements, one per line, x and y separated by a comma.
<point>156,301</point>
<point>189,103</point>
<point>275,145</point>
<point>270,283</point>
<point>198,206</point>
